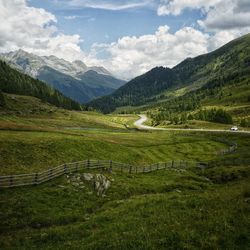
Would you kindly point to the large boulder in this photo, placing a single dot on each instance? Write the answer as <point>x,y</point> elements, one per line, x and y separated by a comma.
<point>99,182</point>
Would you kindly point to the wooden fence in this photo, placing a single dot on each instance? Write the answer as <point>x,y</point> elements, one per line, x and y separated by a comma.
<point>108,165</point>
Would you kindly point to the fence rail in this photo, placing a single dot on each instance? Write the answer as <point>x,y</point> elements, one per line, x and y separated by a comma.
<point>40,177</point>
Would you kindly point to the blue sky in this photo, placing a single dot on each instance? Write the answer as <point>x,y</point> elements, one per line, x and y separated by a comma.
<point>96,25</point>
<point>128,37</point>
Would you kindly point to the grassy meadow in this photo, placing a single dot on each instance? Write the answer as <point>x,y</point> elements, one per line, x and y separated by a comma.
<point>165,209</point>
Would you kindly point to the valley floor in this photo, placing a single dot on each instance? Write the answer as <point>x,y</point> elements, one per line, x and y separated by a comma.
<point>166,209</point>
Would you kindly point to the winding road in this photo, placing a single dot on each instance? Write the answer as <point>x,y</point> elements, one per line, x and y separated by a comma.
<point>143,118</point>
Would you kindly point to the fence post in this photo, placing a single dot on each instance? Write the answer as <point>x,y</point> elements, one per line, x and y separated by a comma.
<point>11,181</point>
<point>50,172</point>
<point>172,164</point>
<point>110,166</point>
<point>88,163</point>
<point>36,179</point>
<point>65,169</point>
<point>76,168</point>
<point>130,169</point>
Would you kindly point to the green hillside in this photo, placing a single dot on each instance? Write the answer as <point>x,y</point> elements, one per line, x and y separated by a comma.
<point>87,87</point>
<point>227,65</point>
<point>12,81</point>
<point>229,102</point>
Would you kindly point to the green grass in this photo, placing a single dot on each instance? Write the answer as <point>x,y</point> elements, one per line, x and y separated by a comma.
<point>29,113</point>
<point>166,209</point>
<point>28,151</point>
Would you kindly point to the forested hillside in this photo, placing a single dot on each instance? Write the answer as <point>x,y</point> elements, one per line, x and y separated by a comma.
<point>226,65</point>
<point>225,102</point>
<point>83,89</point>
<point>12,81</point>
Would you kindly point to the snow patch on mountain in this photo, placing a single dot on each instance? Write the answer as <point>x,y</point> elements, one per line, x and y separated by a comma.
<point>32,64</point>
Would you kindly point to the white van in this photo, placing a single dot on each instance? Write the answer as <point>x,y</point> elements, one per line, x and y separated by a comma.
<point>234,128</point>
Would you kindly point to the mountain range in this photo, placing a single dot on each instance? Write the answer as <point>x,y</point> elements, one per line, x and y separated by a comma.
<point>229,64</point>
<point>74,79</point>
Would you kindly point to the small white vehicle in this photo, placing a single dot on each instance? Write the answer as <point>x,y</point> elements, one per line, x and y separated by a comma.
<point>234,128</point>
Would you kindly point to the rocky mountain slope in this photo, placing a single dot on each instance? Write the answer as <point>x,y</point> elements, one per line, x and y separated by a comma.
<point>71,78</point>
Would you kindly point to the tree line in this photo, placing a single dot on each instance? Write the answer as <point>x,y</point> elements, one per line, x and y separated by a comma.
<point>15,82</point>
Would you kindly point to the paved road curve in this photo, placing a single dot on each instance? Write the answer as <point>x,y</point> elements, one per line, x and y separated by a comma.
<point>143,118</point>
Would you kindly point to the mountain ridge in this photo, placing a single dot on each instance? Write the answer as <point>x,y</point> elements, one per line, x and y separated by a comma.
<point>228,62</point>
<point>60,64</point>
<point>59,72</point>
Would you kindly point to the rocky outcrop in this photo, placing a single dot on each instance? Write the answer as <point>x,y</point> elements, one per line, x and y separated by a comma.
<point>99,182</point>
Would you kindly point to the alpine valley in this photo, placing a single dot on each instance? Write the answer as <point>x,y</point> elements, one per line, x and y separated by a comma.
<point>90,162</point>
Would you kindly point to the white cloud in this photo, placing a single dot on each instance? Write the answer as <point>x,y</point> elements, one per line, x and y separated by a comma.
<point>131,56</point>
<point>219,14</point>
<point>225,19</point>
<point>227,15</point>
<point>110,4</point>
<point>175,7</point>
<point>77,16</point>
<point>70,17</point>
<point>34,30</point>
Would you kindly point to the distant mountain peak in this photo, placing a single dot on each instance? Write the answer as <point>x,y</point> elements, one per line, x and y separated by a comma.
<point>100,70</point>
<point>34,63</point>
<point>21,52</point>
<point>80,65</point>
<point>71,78</point>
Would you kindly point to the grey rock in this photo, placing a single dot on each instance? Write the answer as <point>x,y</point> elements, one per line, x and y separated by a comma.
<point>101,183</point>
<point>88,176</point>
<point>75,184</point>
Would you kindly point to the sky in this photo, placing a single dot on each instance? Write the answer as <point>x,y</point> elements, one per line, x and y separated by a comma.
<point>128,37</point>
